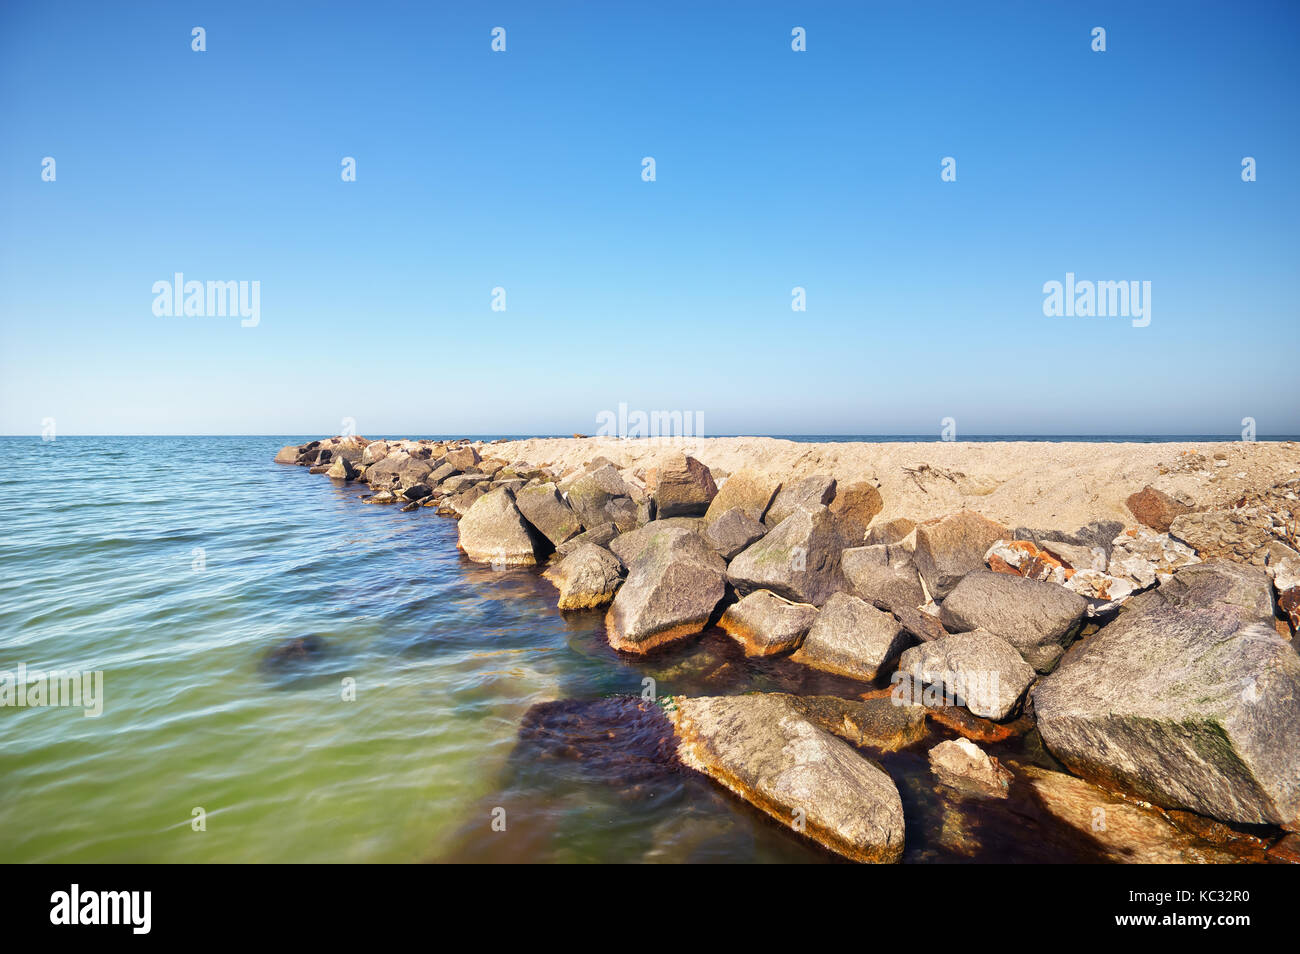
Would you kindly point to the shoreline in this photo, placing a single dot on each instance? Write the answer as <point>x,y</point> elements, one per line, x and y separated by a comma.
<point>1099,595</point>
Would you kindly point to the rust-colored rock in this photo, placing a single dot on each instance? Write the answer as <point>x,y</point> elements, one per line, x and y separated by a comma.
<point>1155,508</point>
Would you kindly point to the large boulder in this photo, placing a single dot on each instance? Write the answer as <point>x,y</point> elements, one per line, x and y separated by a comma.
<point>493,531</point>
<point>853,507</point>
<point>397,471</point>
<point>288,454</point>
<point>875,574</point>
<point>588,577</point>
<point>733,532</point>
<point>1155,508</point>
<point>761,748</point>
<point>463,458</point>
<point>1039,619</point>
<point>680,486</point>
<point>798,559</point>
<point>977,670</point>
<point>765,624</point>
<point>747,490</point>
<point>545,509</point>
<point>601,535</point>
<point>949,548</point>
<point>1189,699</point>
<point>674,583</point>
<point>850,637</point>
<point>628,546</point>
<point>590,492</point>
<point>806,494</point>
<point>375,452</point>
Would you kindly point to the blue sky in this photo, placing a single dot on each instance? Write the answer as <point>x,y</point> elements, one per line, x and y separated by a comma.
<point>774,169</point>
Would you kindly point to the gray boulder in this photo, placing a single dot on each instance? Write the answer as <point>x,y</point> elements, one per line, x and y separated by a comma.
<point>761,748</point>
<point>977,670</point>
<point>590,491</point>
<point>798,559</point>
<point>627,546</point>
<point>732,532</point>
<point>601,535</point>
<point>674,584</point>
<point>494,531</point>
<point>1189,699</point>
<point>588,577</point>
<point>891,584</point>
<point>809,493</point>
<point>543,507</point>
<point>850,637</point>
<point>765,624</point>
<point>1039,618</point>
<point>747,490</point>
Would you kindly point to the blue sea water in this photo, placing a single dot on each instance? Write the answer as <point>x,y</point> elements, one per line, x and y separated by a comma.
<point>177,566</point>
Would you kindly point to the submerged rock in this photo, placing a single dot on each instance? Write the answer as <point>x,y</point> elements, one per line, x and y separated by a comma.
<point>798,559</point>
<point>980,671</point>
<point>761,748</point>
<point>674,584</point>
<point>494,531</point>
<point>949,548</point>
<point>587,578</point>
<point>852,638</point>
<point>964,766</point>
<point>1039,619</point>
<point>765,624</point>
<point>1189,699</point>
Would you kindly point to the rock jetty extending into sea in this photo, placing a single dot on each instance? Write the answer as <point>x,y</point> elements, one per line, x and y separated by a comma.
<point>1134,606</point>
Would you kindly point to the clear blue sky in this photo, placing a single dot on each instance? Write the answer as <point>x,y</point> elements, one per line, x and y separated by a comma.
<point>774,169</point>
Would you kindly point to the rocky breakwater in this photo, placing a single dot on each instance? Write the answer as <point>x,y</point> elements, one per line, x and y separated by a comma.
<point>1155,670</point>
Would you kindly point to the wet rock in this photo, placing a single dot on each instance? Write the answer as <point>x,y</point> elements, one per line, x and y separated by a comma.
<point>732,532</point>
<point>852,638</point>
<point>287,454</point>
<point>295,652</point>
<point>853,507</point>
<point>383,497</point>
<point>587,578</point>
<point>878,723</point>
<point>1124,831</point>
<point>1189,699</point>
<point>872,575</point>
<point>978,670</point>
<point>680,486</point>
<point>1155,508</point>
<point>1038,619</point>
<point>416,492</point>
<point>949,548</point>
<point>765,624</point>
<point>674,584</point>
<point>747,490</point>
<point>799,559</point>
<point>965,767</point>
<point>545,509</point>
<point>763,750</point>
<point>807,494</point>
<point>494,531</point>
